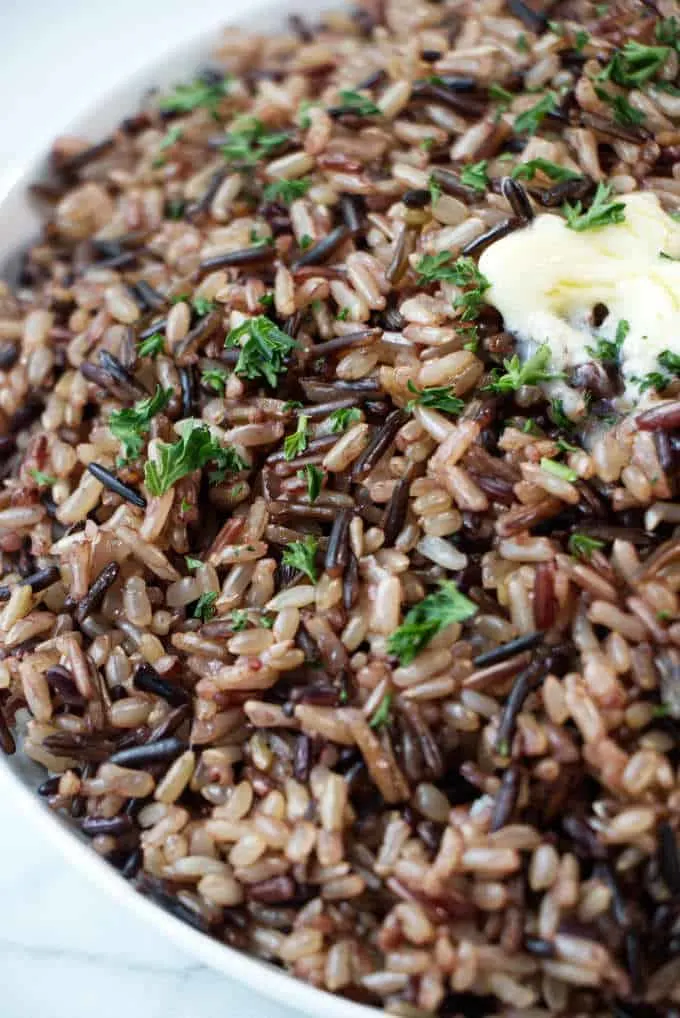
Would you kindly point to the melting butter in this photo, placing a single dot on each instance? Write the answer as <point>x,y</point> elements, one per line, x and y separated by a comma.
<point>546,279</point>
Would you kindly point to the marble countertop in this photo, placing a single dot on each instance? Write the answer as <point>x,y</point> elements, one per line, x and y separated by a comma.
<point>66,949</point>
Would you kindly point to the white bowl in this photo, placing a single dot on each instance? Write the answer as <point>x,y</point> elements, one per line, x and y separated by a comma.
<point>19,776</point>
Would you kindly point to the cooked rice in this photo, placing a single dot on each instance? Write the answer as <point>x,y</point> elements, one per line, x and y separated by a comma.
<point>488,825</point>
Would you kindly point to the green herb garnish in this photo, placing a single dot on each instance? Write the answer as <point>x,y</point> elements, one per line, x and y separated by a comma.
<point>42,479</point>
<point>528,170</point>
<point>521,43</point>
<point>204,608</point>
<point>623,112</point>
<point>475,176</point>
<point>517,374</point>
<point>435,267</point>
<point>216,379</point>
<point>426,619</point>
<point>602,212</point>
<point>295,444</point>
<point>435,190</point>
<point>530,121</point>
<point>634,64</point>
<point>343,314</point>
<point>466,274</point>
<point>192,451</point>
<point>559,470</point>
<point>608,351</point>
<point>500,95</point>
<point>583,546</point>
<point>381,716</point>
<point>313,476</point>
<point>152,345</point>
<point>264,348</point>
<point>581,40</point>
<point>559,416</point>
<point>189,97</point>
<point>250,141</point>
<point>202,306</point>
<point>287,191</point>
<point>436,397</point>
<point>130,424</point>
<point>239,619</point>
<point>193,563</point>
<point>667,31</point>
<point>301,555</point>
<point>340,420</point>
<point>355,102</point>
<point>305,242</point>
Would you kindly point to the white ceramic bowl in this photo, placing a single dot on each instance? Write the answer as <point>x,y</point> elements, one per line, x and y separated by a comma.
<point>19,776</point>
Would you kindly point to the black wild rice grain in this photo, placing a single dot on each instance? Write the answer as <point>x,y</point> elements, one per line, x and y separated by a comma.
<point>9,355</point>
<point>323,249</point>
<point>93,826</point>
<point>110,481</point>
<point>260,254</point>
<point>669,857</point>
<point>160,751</point>
<point>506,799</point>
<point>378,445</point>
<point>338,544</point>
<point>148,680</point>
<point>395,512</point>
<point>518,199</point>
<point>479,244</point>
<point>37,581</point>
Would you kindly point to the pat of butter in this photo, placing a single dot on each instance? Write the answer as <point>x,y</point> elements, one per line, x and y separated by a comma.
<point>546,279</point>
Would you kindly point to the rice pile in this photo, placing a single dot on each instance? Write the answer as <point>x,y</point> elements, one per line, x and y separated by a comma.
<point>333,633</point>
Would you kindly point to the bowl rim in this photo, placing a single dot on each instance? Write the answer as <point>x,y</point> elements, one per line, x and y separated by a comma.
<point>18,211</point>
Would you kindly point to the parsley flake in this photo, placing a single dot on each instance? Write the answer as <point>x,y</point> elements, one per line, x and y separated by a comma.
<point>602,212</point>
<point>313,476</point>
<point>517,374</point>
<point>204,608</point>
<point>185,98</point>
<point>560,470</point>
<point>131,423</point>
<point>360,105</point>
<point>249,141</point>
<point>530,121</point>
<point>216,379</point>
<point>287,191</point>
<point>152,345</point>
<point>426,619</point>
<point>42,479</point>
<point>193,563</point>
<point>301,555</point>
<point>607,350</point>
<point>295,444</point>
<point>436,397</point>
<point>264,348</point>
<point>192,451</point>
<point>475,176</point>
<point>634,64</point>
<point>340,420</point>
<point>583,546</point>
<point>381,716</point>
<point>528,170</point>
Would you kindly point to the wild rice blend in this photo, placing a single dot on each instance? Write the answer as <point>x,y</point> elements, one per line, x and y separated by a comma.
<point>333,633</point>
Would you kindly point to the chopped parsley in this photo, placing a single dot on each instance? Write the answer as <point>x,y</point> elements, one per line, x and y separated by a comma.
<point>193,563</point>
<point>564,473</point>
<point>227,461</point>
<point>426,619</point>
<point>343,314</point>
<point>42,479</point>
<point>581,40</point>
<point>530,121</point>
<point>185,506</point>
<point>305,242</point>
<point>250,141</point>
<point>381,717</point>
<point>152,345</point>
<point>185,98</point>
<point>521,43</point>
<point>202,306</point>
<point>130,424</point>
<point>659,380</point>
<point>517,374</point>
<point>634,64</point>
<point>602,212</point>
<point>565,446</point>
<point>304,120</point>
<point>559,416</point>
<point>192,451</point>
<point>313,476</point>
<point>583,546</point>
<point>216,379</point>
<point>355,102</point>
<point>341,420</point>
<point>432,268</point>
<point>239,619</point>
<point>608,351</point>
<point>475,176</point>
<point>287,191</point>
<point>301,555</point>
<point>668,31</point>
<point>435,190</point>
<point>470,303</point>
<point>204,608</point>
<point>295,444</point>
<point>500,95</point>
<point>528,170</point>
<point>172,135</point>
<point>436,397</point>
<point>624,113</point>
<point>264,348</point>
<point>174,208</point>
